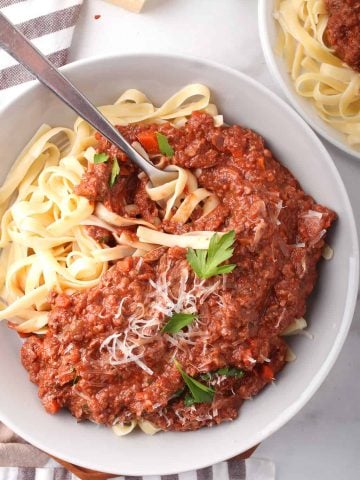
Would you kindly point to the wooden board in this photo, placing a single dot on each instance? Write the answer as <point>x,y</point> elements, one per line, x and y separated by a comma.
<point>132,5</point>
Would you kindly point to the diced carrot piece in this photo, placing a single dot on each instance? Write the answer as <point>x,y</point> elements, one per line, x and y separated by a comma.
<point>52,406</point>
<point>261,163</point>
<point>267,373</point>
<point>149,141</point>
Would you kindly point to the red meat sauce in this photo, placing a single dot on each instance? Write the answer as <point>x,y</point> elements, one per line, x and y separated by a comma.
<point>279,238</point>
<point>343,30</point>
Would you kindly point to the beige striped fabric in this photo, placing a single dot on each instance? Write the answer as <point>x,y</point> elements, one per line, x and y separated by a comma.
<point>21,461</point>
<point>49,24</point>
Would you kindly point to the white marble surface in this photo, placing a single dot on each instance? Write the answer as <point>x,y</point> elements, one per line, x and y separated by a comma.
<point>323,441</point>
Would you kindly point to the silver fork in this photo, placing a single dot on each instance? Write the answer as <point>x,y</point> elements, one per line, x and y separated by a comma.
<point>14,42</point>
<point>61,140</point>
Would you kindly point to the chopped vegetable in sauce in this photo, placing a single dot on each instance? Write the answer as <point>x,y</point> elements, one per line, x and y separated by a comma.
<point>149,141</point>
<point>200,392</point>
<point>164,146</point>
<point>100,158</point>
<point>115,170</point>
<point>225,371</point>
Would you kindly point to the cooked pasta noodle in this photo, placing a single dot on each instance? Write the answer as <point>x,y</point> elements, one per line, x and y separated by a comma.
<point>44,243</point>
<point>318,74</point>
<point>124,429</point>
<point>120,429</point>
<point>198,240</point>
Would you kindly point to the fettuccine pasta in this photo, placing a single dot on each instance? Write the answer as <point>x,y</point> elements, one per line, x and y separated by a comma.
<point>317,73</point>
<point>45,245</point>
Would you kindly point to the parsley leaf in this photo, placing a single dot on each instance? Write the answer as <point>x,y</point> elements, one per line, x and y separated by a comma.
<point>231,372</point>
<point>189,400</point>
<point>199,392</point>
<point>164,146</point>
<point>206,263</point>
<point>178,321</point>
<point>226,371</point>
<point>100,158</point>
<point>115,170</point>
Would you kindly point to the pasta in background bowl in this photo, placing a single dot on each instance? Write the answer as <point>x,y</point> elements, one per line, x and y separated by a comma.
<point>323,89</point>
<point>244,102</point>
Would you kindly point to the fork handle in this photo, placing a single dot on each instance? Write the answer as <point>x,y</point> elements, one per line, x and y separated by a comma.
<point>14,42</point>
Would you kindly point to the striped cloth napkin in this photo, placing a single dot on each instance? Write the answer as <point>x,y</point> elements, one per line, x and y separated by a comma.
<point>48,23</point>
<point>21,461</point>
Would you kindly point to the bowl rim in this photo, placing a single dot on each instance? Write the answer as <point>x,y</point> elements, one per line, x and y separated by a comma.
<point>293,97</point>
<point>349,306</point>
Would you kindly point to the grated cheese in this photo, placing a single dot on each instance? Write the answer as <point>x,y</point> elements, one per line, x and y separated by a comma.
<point>313,214</point>
<point>298,245</point>
<point>318,237</point>
<point>146,320</point>
<point>119,312</point>
<point>259,231</point>
<point>68,348</point>
<point>278,208</point>
<point>115,344</point>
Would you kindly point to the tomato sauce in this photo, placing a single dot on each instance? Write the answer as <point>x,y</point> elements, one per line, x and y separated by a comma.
<point>82,363</point>
<point>343,30</point>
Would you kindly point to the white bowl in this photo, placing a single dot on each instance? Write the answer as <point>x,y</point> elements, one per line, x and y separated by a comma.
<point>278,69</point>
<point>244,101</point>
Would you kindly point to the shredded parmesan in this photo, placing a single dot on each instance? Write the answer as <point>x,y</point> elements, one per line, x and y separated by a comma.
<point>278,208</point>
<point>299,245</point>
<point>259,231</point>
<point>313,214</point>
<point>146,320</point>
<point>317,238</point>
<point>68,348</point>
<point>118,343</point>
<point>119,312</point>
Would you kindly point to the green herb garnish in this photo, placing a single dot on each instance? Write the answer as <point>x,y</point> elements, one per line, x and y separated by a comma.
<point>231,372</point>
<point>226,371</point>
<point>178,321</point>
<point>115,170</point>
<point>189,400</point>
<point>100,158</point>
<point>206,263</point>
<point>164,146</point>
<point>199,392</point>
